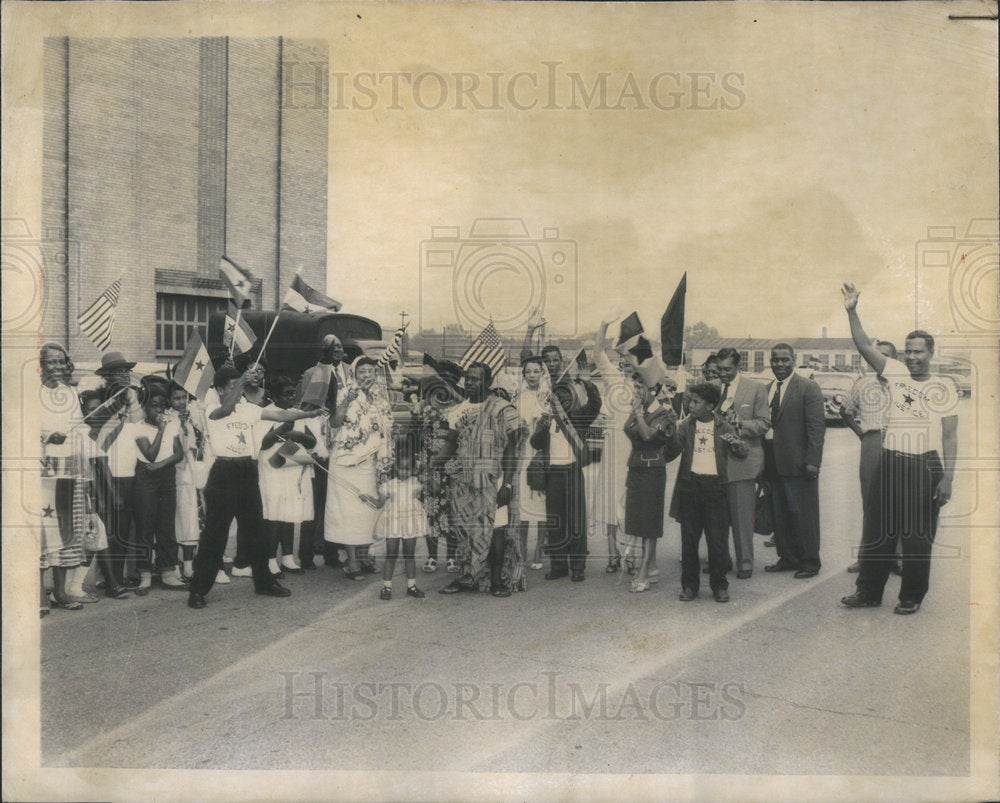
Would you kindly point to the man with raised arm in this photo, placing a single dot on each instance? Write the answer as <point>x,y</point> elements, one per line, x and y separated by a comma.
<point>916,467</point>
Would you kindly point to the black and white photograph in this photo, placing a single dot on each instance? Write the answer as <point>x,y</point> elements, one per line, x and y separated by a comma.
<point>500,400</point>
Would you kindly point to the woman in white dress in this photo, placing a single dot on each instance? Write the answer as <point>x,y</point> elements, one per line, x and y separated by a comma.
<point>616,393</point>
<point>361,457</point>
<point>531,402</point>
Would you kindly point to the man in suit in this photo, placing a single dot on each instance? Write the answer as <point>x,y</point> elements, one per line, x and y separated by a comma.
<point>744,406</point>
<point>793,451</point>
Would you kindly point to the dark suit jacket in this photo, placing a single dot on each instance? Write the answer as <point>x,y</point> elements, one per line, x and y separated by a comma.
<point>800,426</point>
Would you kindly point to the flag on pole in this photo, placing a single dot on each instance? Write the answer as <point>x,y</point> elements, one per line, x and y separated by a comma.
<point>392,350</point>
<point>672,327</point>
<point>97,321</point>
<point>486,348</point>
<point>435,388</point>
<point>631,329</point>
<point>238,333</point>
<point>237,278</point>
<point>195,371</point>
<point>108,420</point>
<point>303,298</point>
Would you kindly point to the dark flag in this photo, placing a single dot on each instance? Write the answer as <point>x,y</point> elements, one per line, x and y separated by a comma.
<point>434,386</point>
<point>628,336</point>
<point>672,327</point>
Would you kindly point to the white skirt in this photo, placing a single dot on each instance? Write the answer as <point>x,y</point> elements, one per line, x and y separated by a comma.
<point>348,520</point>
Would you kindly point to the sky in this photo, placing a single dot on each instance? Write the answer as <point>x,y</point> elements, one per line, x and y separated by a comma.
<point>796,148</point>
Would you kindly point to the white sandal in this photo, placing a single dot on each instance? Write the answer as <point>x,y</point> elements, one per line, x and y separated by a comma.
<point>430,566</point>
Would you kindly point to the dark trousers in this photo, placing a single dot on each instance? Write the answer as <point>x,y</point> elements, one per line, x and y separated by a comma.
<point>311,540</point>
<point>703,508</point>
<point>232,492</point>
<point>155,507</point>
<point>495,559</point>
<point>566,511</point>
<point>901,509</point>
<point>796,515</point>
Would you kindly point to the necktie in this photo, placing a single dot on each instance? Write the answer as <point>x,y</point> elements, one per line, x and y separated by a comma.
<point>776,402</point>
<point>725,392</point>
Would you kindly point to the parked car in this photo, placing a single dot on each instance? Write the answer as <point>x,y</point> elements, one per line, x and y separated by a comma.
<point>835,387</point>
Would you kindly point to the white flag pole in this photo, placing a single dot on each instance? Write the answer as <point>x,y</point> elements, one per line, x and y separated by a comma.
<point>232,343</point>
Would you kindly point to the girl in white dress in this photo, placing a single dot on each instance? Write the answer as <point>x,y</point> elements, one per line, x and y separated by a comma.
<point>403,519</point>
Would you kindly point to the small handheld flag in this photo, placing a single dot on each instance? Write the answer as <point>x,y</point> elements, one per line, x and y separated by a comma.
<point>303,298</point>
<point>238,280</point>
<point>195,371</point>
<point>486,348</point>
<point>97,321</point>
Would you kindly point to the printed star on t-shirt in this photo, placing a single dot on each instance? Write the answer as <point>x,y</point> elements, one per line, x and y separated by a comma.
<point>241,438</point>
<point>47,512</point>
<point>908,399</point>
<point>702,440</point>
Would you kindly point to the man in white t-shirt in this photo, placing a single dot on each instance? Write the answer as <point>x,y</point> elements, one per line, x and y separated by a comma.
<point>917,466</point>
<point>233,489</point>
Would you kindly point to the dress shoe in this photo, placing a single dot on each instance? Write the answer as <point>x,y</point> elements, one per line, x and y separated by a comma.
<point>292,569</point>
<point>906,607</point>
<point>275,589</point>
<point>307,563</point>
<point>555,575</point>
<point>781,566</point>
<point>196,601</point>
<point>454,587</point>
<point>688,594</point>
<point>805,574</point>
<point>859,600</point>
<point>413,591</point>
<point>744,574</point>
<point>501,592</point>
<point>721,595</point>
<point>245,571</point>
<point>854,568</point>
<point>770,542</point>
<point>385,593</point>
<point>577,577</point>
<point>221,578</point>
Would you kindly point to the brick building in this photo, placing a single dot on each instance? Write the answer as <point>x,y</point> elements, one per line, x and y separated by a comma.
<point>160,156</point>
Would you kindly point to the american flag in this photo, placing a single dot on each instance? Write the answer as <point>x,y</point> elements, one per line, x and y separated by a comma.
<point>97,321</point>
<point>487,348</point>
<point>392,350</point>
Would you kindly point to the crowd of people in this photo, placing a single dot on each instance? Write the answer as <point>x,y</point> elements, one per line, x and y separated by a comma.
<point>141,482</point>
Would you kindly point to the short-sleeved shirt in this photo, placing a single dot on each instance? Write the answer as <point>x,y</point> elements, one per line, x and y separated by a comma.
<point>123,453</point>
<point>913,422</point>
<point>148,431</point>
<point>869,400</point>
<point>703,457</point>
<point>233,436</point>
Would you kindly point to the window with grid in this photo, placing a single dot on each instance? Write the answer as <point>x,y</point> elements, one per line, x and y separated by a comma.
<point>744,357</point>
<point>825,361</point>
<point>856,361</point>
<point>758,361</point>
<point>840,360</point>
<point>176,315</point>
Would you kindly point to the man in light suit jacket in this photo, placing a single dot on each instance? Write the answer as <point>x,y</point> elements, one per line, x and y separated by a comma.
<point>793,453</point>
<point>744,405</point>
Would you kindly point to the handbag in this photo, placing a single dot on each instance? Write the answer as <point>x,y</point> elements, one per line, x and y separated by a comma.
<point>538,467</point>
<point>763,519</point>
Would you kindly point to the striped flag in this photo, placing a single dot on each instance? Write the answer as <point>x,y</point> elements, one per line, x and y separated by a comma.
<point>195,371</point>
<point>97,321</point>
<point>392,350</point>
<point>303,298</point>
<point>239,280</point>
<point>487,348</point>
<point>238,333</point>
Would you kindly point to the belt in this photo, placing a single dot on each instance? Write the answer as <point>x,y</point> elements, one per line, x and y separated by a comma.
<point>234,459</point>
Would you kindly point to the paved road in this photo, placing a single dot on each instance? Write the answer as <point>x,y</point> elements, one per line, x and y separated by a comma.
<point>567,678</point>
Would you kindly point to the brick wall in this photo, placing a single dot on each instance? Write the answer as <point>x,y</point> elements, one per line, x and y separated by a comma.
<point>166,154</point>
